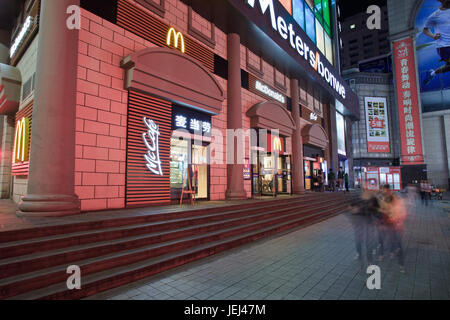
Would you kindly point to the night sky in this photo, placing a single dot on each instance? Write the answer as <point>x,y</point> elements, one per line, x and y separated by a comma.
<point>351,7</point>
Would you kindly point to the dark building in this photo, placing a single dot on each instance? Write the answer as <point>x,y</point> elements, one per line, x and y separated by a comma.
<point>358,42</point>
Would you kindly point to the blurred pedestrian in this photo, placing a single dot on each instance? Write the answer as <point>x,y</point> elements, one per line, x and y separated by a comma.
<point>331,180</point>
<point>362,216</point>
<point>320,179</point>
<point>425,192</point>
<point>340,178</point>
<point>393,211</point>
<point>346,182</point>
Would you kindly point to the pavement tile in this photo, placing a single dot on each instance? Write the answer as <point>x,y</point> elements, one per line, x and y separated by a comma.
<point>312,263</point>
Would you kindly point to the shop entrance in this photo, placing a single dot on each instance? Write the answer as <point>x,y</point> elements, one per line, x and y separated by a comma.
<point>274,175</point>
<point>183,171</point>
<point>313,167</point>
<point>271,171</point>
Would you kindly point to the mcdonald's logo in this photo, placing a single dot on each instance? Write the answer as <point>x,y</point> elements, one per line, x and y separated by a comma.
<point>178,38</point>
<point>22,141</point>
<point>277,145</point>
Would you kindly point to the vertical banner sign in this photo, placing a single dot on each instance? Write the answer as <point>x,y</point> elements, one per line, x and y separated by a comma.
<point>377,125</point>
<point>407,98</point>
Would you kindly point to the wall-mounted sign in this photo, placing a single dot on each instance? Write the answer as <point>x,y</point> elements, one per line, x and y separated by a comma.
<point>191,120</point>
<point>277,146</point>
<point>408,106</point>
<point>23,32</point>
<point>275,143</point>
<point>288,33</point>
<point>265,89</point>
<point>21,151</point>
<point>178,39</point>
<point>151,140</point>
<point>377,125</point>
<point>313,116</point>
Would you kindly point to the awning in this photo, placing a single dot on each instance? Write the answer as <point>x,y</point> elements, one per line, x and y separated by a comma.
<point>10,85</point>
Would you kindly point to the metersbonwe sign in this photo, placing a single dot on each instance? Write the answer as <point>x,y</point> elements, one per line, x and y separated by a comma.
<point>290,33</point>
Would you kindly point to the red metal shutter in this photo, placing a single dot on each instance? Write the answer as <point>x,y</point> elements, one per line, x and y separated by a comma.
<point>143,187</point>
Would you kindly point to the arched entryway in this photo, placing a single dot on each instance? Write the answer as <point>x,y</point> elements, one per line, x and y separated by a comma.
<point>271,171</point>
<point>315,141</point>
<point>175,92</point>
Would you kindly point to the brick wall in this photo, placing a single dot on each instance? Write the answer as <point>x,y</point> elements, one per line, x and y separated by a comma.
<point>102,108</point>
<point>101,116</point>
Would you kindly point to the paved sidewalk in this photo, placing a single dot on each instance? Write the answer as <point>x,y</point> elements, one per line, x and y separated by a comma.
<point>310,264</point>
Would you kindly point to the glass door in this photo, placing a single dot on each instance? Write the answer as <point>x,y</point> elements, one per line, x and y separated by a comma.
<point>308,177</point>
<point>284,180</point>
<point>267,175</point>
<point>200,171</point>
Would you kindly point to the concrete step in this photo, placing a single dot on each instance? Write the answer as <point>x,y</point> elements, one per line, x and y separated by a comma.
<point>28,263</point>
<point>120,248</point>
<point>115,276</point>
<point>138,216</point>
<point>42,244</point>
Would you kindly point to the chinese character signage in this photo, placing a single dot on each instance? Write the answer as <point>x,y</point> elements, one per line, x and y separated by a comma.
<point>407,99</point>
<point>377,125</point>
<point>191,121</point>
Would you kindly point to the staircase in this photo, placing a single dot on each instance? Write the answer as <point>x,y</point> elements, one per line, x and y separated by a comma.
<point>115,252</point>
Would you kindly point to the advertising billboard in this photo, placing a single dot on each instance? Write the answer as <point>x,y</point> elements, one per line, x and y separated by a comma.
<point>407,100</point>
<point>433,54</point>
<point>377,125</point>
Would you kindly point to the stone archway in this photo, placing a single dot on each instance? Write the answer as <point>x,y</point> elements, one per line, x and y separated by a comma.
<point>315,135</point>
<point>272,115</point>
<point>171,75</point>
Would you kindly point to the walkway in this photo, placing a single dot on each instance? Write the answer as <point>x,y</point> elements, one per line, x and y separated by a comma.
<point>312,263</point>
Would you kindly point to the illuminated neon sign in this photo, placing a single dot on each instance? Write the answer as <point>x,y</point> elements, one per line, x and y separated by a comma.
<point>277,145</point>
<point>26,27</point>
<point>269,92</point>
<point>288,33</point>
<point>178,37</point>
<point>21,151</point>
<point>313,116</point>
<point>151,140</point>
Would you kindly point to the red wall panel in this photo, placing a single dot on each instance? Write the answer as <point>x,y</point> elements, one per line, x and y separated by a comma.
<point>143,187</point>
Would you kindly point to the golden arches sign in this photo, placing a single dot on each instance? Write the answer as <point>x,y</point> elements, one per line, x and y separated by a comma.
<point>22,141</point>
<point>277,145</point>
<point>178,38</point>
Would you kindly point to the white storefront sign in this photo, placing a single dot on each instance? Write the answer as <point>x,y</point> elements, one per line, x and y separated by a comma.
<point>151,140</point>
<point>269,92</point>
<point>26,27</point>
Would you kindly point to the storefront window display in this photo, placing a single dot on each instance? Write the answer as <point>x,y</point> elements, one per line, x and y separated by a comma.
<point>272,168</point>
<point>190,153</point>
<point>376,177</point>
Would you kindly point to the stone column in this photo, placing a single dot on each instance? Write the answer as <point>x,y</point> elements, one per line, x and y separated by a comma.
<point>349,146</point>
<point>52,163</point>
<point>235,176</point>
<point>298,180</point>
<point>333,140</point>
